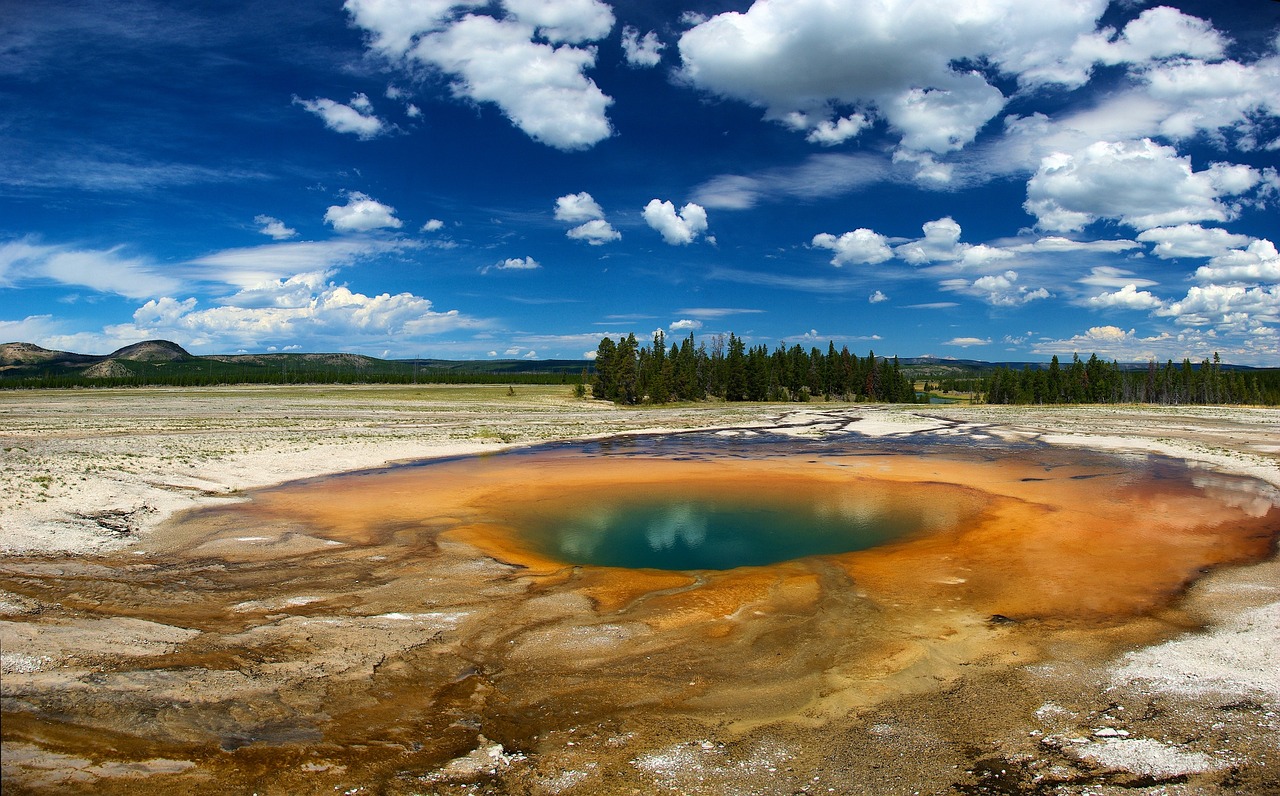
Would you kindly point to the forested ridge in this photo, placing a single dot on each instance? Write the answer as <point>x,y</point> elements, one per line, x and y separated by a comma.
<point>628,373</point>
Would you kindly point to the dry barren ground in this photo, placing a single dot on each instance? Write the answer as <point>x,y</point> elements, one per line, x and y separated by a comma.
<point>88,475</point>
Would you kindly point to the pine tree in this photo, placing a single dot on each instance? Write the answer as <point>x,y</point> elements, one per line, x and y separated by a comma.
<point>606,383</point>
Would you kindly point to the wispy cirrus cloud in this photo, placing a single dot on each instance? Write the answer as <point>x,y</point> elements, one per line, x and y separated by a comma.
<point>102,169</point>
<point>716,312</point>
<point>247,266</point>
<point>817,177</point>
<point>111,271</point>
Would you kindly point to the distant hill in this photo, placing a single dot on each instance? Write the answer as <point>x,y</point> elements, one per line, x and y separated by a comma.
<point>163,362</point>
<point>22,354</point>
<point>151,351</point>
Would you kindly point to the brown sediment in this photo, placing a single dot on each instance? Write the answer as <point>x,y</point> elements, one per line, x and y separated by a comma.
<point>366,629</point>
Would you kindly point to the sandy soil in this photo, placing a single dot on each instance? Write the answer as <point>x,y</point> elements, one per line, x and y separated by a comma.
<point>91,477</point>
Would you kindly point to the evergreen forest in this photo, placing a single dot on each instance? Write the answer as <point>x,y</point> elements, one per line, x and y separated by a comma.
<point>1098,382</point>
<point>628,373</point>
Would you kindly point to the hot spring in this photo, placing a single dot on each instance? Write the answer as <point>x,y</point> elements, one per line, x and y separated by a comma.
<point>624,594</point>
<point>667,532</point>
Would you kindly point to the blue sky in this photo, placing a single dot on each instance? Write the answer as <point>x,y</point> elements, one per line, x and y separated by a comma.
<point>996,180</point>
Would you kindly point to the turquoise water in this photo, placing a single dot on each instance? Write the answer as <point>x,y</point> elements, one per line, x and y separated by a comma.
<point>688,534</point>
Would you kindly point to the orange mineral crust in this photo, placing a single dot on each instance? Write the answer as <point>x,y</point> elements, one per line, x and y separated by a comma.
<point>996,537</point>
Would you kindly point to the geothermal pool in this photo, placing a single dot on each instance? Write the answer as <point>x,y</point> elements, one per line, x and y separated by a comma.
<point>585,602</point>
<point>664,529</point>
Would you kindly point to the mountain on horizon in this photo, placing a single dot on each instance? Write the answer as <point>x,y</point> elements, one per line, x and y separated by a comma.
<point>145,351</point>
<point>166,362</point>
<point>151,351</point>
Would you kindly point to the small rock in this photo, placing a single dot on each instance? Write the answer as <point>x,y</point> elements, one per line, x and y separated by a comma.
<point>485,759</point>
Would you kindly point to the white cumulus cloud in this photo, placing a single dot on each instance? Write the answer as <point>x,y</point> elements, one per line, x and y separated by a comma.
<point>394,25</point>
<point>1229,307</point>
<point>641,51</point>
<point>540,88</point>
<point>896,59</point>
<point>330,315</point>
<point>941,244</point>
<point>859,246</point>
<point>274,228</point>
<point>1127,298</point>
<point>361,213</point>
<point>1156,33</point>
<point>581,207</point>
<point>527,59</point>
<point>1191,240</point>
<point>356,118</point>
<point>1194,96</point>
<point>947,118</point>
<point>596,232</point>
<point>1140,183</point>
<point>1176,99</point>
<point>513,264</point>
<point>685,325</point>
<point>678,229</point>
<point>1258,263</point>
<point>576,207</point>
<point>295,291</point>
<point>998,290</point>
<point>573,21</point>
<point>827,132</point>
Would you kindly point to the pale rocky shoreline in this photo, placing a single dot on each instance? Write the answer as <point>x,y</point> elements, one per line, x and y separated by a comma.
<point>92,472</point>
<point>87,471</point>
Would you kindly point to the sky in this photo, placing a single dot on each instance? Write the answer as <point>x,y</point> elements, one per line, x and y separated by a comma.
<point>994,179</point>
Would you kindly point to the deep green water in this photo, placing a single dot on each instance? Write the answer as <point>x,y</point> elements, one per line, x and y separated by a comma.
<point>698,533</point>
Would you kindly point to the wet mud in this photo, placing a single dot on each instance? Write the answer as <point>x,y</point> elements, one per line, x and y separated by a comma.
<point>399,631</point>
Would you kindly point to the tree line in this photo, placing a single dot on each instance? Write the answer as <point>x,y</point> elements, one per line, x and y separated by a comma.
<point>629,373</point>
<point>1095,381</point>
